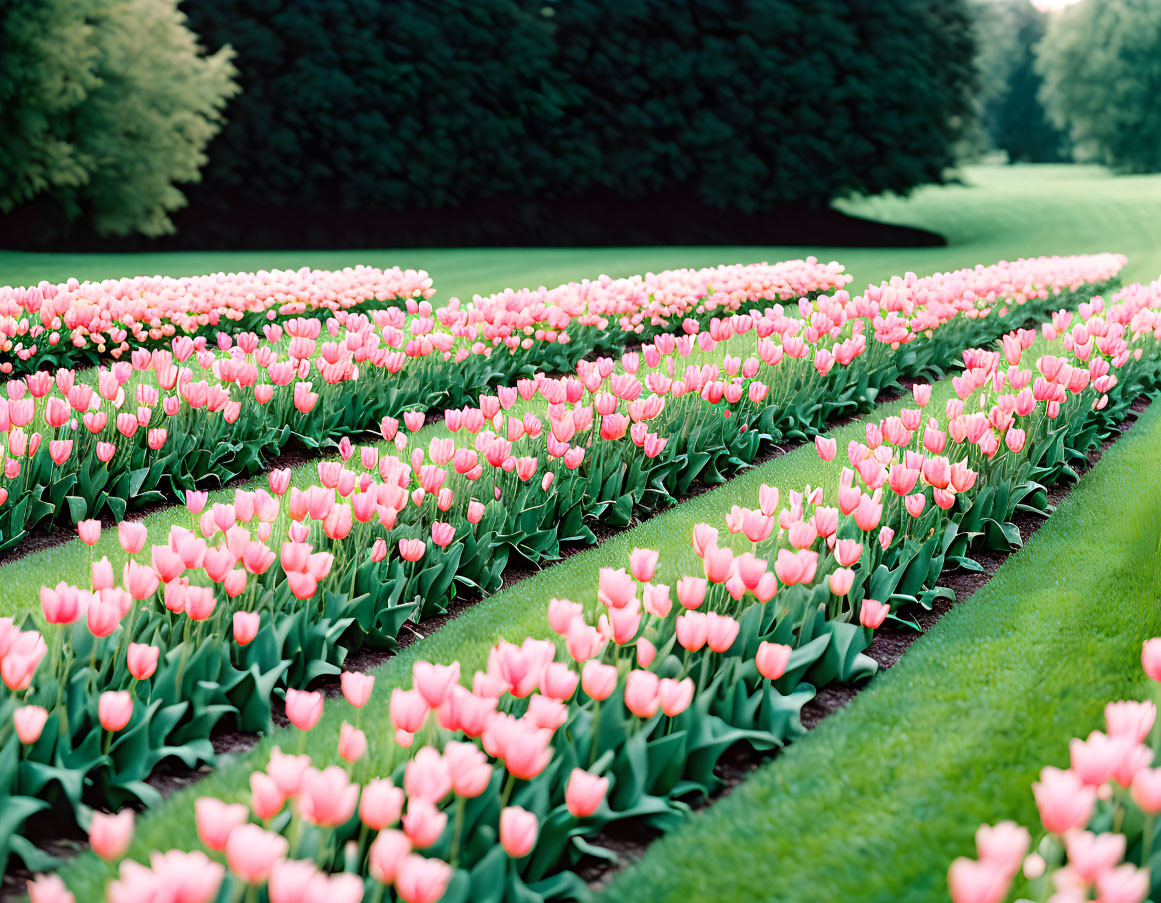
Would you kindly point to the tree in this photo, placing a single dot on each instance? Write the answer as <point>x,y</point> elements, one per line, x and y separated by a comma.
<point>104,106</point>
<point>1101,64</point>
<point>416,108</point>
<point>1010,107</point>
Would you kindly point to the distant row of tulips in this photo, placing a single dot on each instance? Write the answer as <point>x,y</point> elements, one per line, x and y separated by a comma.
<point>1099,820</point>
<point>199,414</point>
<point>95,444</point>
<point>72,323</point>
<point>139,670</point>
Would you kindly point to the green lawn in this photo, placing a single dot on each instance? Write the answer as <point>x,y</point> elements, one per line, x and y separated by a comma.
<point>999,213</point>
<point>877,801</point>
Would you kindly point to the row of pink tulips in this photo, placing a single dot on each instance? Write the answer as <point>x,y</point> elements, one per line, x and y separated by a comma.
<point>75,320</point>
<point>1098,819</point>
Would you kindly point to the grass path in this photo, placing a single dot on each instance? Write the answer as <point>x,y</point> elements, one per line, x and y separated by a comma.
<point>874,804</point>
<point>1000,212</point>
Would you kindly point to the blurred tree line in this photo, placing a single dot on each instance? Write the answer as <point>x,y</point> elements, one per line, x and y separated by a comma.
<point>408,118</point>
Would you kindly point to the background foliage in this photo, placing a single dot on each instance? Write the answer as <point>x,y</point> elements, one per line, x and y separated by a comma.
<point>746,104</point>
<point>417,116</point>
<point>104,106</point>
<point>1101,64</point>
<point>1012,117</point>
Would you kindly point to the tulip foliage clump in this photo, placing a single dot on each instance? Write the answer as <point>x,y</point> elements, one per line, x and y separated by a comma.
<point>490,788</point>
<point>1099,820</point>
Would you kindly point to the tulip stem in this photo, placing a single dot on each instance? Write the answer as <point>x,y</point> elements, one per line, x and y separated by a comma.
<point>596,721</point>
<point>508,787</point>
<point>457,830</point>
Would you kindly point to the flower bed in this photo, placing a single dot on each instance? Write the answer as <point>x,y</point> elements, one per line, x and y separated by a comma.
<point>168,421</point>
<point>973,472</point>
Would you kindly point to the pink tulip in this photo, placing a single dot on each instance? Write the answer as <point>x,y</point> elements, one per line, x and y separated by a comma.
<point>1123,884</point>
<point>352,743</point>
<point>969,881</point>
<point>873,613</point>
<point>827,448</point>
<point>246,624</point>
<point>142,660</point>
<point>1146,789</point>
<point>287,771</point>
<point>357,687</point>
<point>691,591</point>
<point>598,680</point>
<point>89,531</point>
<point>692,629</point>
<point>411,549</point>
<point>643,563</point>
<point>615,588</point>
<point>1151,658</point>
<point>841,581</point>
<point>1063,800</point>
<point>29,722</point>
<point>1090,854</point>
<point>408,710</point>
<point>60,605</point>
<point>386,854</point>
<point>1003,844</point>
<point>49,889</point>
<point>518,831</point>
<point>558,681</point>
<point>132,536</point>
<point>109,835</point>
<point>265,796</point>
<point>716,564</point>
<point>216,819</point>
<point>583,642</point>
<point>642,692</point>
<point>1130,719</point>
<point>422,880</point>
<point>561,614</point>
<point>304,708</point>
<point>675,695</point>
<point>423,823</point>
<point>772,659</point>
<point>114,709</point>
<point>721,631</point>
<point>470,771</point>
<point>426,776</point>
<point>434,682</point>
<point>381,804</point>
<point>327,797</point>
<point>251,853</point>
<point>645,652</point>
<point>584,793</point>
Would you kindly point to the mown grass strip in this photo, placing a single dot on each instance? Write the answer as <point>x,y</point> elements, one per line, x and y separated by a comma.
<point>514,613</point>
<point>874,804</point>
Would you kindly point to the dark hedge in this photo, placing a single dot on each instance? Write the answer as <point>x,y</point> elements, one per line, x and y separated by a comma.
<point>448,121</point>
